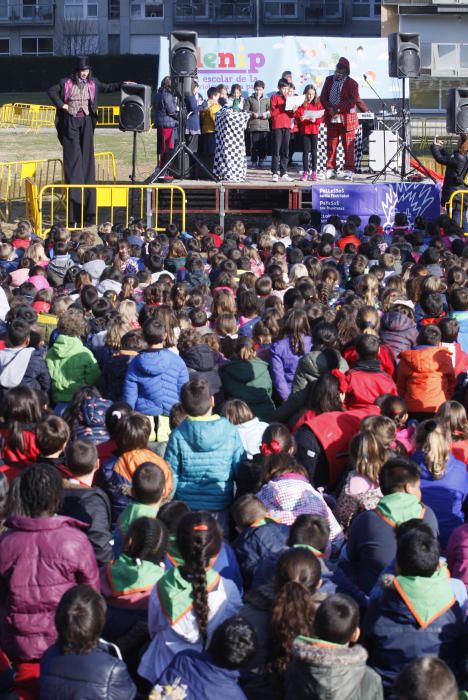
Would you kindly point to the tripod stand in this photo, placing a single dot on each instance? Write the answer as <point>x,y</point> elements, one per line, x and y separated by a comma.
<point>404,149</point>
<point>182,147</point>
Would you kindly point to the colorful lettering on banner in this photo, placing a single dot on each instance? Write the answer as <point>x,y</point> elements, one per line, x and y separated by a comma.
<point>310,59</point>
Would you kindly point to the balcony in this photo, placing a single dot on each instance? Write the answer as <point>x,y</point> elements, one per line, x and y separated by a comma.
<point>316,12</point>
<point>27,13</point>
<point>214,12</point>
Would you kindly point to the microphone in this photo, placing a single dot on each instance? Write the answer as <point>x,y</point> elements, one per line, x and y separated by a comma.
<point>365,77</point>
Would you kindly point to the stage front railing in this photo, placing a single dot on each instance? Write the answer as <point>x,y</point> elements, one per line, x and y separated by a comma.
<point>50,204</point>
<point>456,207</point>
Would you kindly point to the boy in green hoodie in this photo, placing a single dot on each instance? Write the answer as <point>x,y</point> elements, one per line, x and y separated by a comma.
<point>148,483</point>
<point>371,542</point>
<point>71,365</point>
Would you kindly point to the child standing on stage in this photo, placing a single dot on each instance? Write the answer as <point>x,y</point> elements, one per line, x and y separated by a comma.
<point>207,124</point>
<point>258,106</point>
<point>309,129</point>
<point>281,132</point>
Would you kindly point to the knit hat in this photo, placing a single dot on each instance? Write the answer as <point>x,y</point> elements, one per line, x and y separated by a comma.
<point>330,229</point>
<point>344,63</point>
<point>81,63</point>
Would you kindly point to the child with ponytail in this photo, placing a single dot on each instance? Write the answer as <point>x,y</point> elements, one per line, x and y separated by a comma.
<point>188,602</point>
<point>452,416</point>
<point>444,479</point>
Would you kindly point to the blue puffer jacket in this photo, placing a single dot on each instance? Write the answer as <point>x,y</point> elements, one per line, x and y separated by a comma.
<point>462,318</point>
<point>203,454</point>
<point>96,675</point>
<point>153,382</point>
<point>256,544</point>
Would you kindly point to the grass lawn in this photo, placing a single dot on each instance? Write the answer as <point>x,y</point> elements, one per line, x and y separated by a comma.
<point>18,145</point>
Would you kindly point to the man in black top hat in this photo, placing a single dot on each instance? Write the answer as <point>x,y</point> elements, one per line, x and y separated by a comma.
<point>76,100</point>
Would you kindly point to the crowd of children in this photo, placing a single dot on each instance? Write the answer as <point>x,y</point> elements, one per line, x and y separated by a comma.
<point>234,462</point>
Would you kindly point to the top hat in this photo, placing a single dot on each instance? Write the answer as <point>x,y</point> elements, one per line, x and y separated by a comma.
<point>81,63</point>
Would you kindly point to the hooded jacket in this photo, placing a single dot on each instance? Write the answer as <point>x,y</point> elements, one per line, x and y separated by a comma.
<point>425,378</point>
<point>97,675</point>
<point>154,380</point>
<point>90,505</point>
<point>92,420</point>
<point>71,366</point>
<point>113,373</point>
<point>203,678</point>
<point>371,539</point>
<point>462,318</point>
<point>257,542</point>
<point>398,331</point>
<point>250,381</point>
<point>321,670</point>
<point>251,433</point>
<point>25,366</point>
<point>40,559</point>
<point>201,362</point>
<point>203,454</point>
<point>283,364</point>
<point>311,367</point>
<point>394,633</point>
<point>366,382</point>
<point>444,495</point>
<point>456,168</point>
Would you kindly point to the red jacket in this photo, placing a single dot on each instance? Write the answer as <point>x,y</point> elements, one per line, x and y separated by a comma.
<point>366,382</point>
<point>334,431</point>
<point>347,105</point>
<point>343,242</point>
<point>280,118</point>
<point>307,126</point>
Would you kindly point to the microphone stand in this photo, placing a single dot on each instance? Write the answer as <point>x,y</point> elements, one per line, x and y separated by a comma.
<point>384,109</point>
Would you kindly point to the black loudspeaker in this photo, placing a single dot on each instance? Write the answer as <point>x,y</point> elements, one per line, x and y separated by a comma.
<point>183,54</point>
<point>457,111</point>
<point>135,108</point>
<point>404,55</point>
<point>292,217</point>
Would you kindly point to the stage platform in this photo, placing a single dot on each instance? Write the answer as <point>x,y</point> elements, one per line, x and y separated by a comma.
<point>254,198</point>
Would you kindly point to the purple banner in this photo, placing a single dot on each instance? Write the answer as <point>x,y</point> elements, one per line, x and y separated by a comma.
<point>384,199</point>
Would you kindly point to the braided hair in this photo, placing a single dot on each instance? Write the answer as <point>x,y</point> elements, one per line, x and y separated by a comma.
<point>39,491</point>
<point>147,538</point>
<point>199,540</point>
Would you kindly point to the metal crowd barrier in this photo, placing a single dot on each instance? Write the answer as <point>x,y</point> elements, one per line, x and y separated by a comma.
<point>122,201</point>
<point>35,117</point>
<point>456,207</point>
<point>13,176</point>
<point>108,115</point>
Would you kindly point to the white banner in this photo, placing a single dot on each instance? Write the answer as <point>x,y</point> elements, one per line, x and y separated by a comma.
<point>310,59</point>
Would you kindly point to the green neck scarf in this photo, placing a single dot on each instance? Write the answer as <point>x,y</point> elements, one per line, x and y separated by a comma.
<point>427,598</point>
<point>126,576</point>
<point>175,593</point>
<point>173,553</point>
<point>315,551</point>
<point>397,508</point>
<point>320,642</point>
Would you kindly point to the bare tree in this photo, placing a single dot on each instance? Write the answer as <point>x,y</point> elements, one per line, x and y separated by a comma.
<point>77,37</point>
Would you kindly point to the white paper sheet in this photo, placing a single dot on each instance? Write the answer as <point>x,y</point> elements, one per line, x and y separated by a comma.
<point>294,101</point>
<point>313,114</point>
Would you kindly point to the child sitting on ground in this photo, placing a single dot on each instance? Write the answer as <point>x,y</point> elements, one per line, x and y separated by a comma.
<point>203,453</point>
<point>214,672</point>
<point>260,536</point>
<point>416,614</point>
<point>427,678</point>
<point>331,663</point>
<point>395,408</point>
<point>148,484</point>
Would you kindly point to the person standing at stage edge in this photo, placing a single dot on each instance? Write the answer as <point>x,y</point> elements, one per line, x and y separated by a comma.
<point>76,99</point>
<point>339,97</point>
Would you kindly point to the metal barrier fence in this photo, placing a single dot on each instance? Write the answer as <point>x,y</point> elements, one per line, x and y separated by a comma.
<point>457,208</point>
<point>13,176</point>
<point>35,117</point>
<point>140,201</point>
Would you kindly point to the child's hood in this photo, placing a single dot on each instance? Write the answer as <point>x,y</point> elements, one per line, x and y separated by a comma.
<point>397,321</point>
<point>155,363</point>
<point>205,434</point>
<point>66,345</point>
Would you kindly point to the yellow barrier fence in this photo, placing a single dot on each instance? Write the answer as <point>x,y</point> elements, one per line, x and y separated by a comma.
<point>457,208</point>
<point>33,117</point>
<point>13,177</point>
<point>6,115</point>
<point>111,202</point>
<point>108,115</point>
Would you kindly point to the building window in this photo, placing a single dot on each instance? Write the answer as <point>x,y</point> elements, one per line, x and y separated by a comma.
<point>280,10</point>
<point>4,47</point>
<point>366,9</point>
<point>140,9</point>
<point>197,10</point>
<point>114,9</point>
<point>81,9</point>
<point>239,11</point>
<point>3,9</point>
<point>37,46</point>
